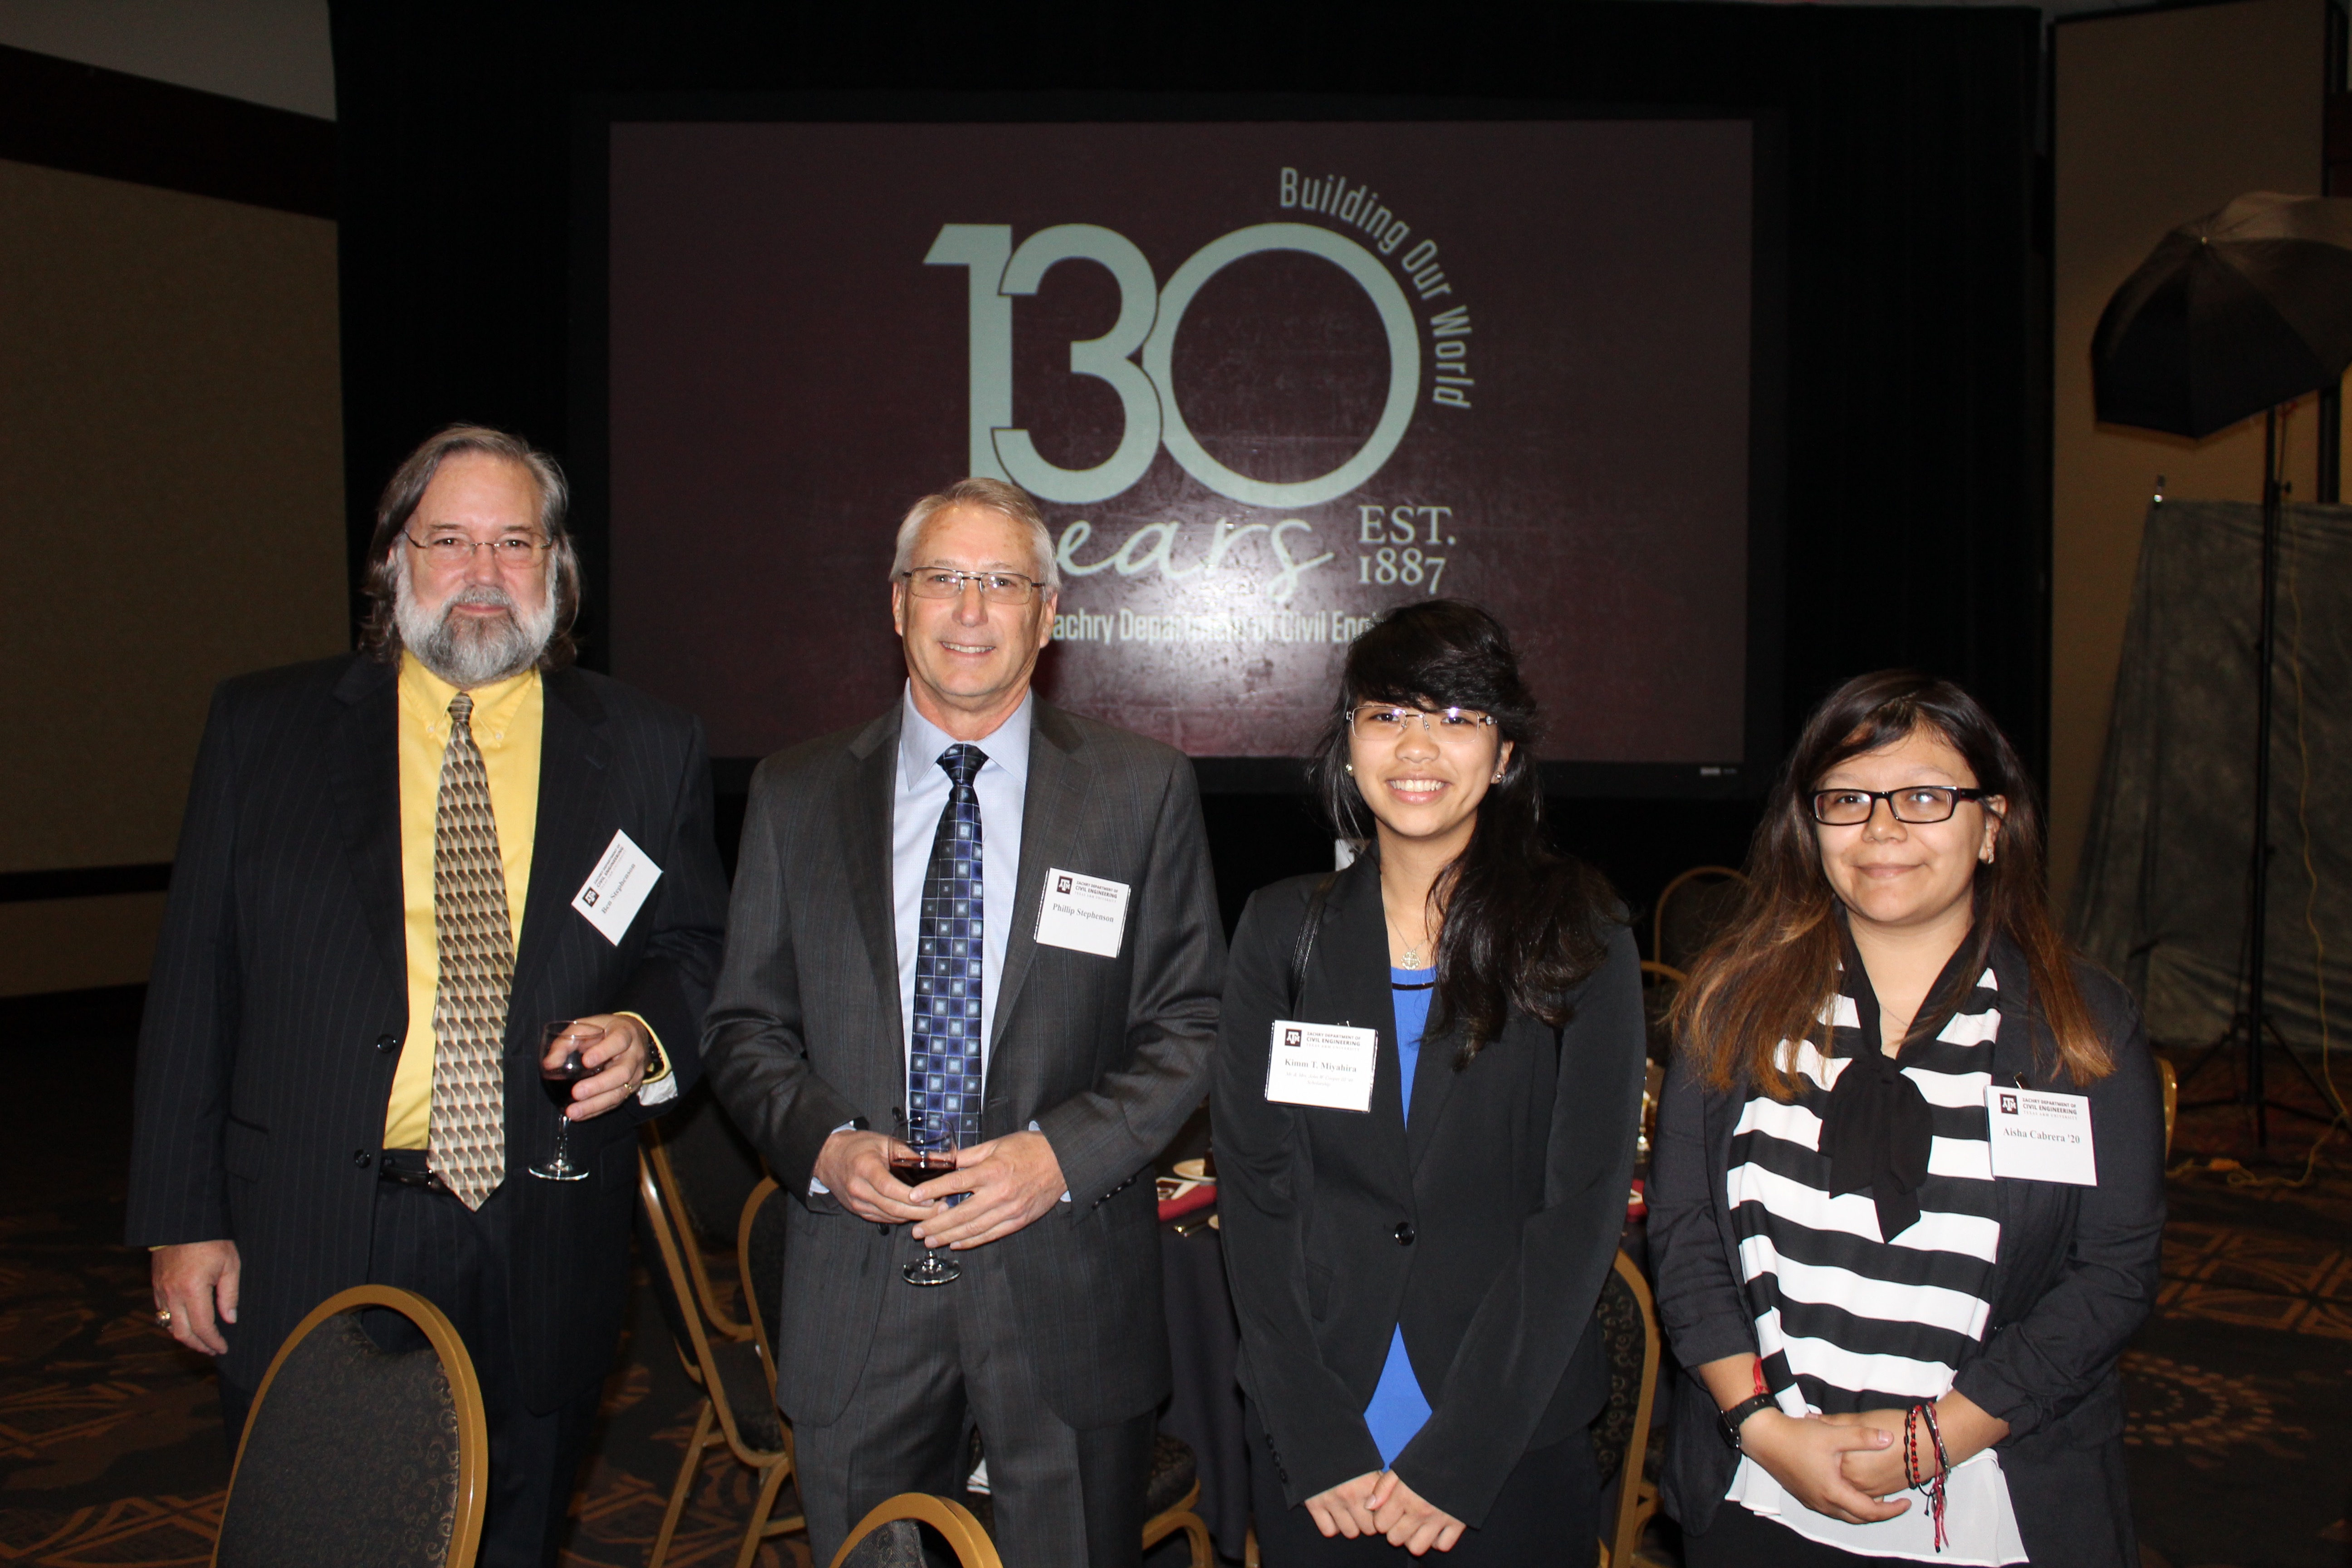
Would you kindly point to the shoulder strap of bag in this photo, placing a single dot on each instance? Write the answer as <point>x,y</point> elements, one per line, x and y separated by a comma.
<point>1304,948</point>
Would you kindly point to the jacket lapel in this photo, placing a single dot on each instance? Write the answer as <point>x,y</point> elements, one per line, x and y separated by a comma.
<point>2023,1208</point>
<point>574,752</point>
<point>363,761</point>
<point>1350,962</point>
<point>1053,805</point>
<point>870,788</point>
<point>1433,1080</point>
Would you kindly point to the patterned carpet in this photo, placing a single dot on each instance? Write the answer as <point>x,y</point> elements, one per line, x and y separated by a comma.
<point>2240,1389</point>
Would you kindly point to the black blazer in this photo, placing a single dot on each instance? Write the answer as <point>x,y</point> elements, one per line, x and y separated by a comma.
<point>1104,1055</point>
<point>1486,1230</point>
<point>2076,1277</point>
<point>279,998</point>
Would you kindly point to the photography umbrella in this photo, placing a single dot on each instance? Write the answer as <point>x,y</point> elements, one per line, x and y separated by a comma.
<point>2233,315</point>
<point>2239,311</point>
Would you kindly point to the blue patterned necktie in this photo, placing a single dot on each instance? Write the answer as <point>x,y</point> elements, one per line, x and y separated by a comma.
<point>944,1068</point>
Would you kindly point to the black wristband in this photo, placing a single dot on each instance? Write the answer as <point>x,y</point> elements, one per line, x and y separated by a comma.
<point>1731,1420</point>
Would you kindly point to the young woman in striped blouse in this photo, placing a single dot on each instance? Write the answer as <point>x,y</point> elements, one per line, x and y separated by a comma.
<point>1893,1353</point>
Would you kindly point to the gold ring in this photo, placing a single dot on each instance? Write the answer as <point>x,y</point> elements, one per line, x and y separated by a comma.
<point>164,1319</point>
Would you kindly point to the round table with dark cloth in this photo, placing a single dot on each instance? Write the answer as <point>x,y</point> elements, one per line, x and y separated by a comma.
<point>1205,1410</point>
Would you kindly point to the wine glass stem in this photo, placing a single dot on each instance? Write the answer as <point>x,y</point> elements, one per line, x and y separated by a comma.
<point>562,1142</point>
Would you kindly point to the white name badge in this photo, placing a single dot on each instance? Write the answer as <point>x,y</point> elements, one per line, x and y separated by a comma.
<point>1328,1065</point>
<point>1085,914</point>
<point>2040,1137</point>
<point>616,890</point>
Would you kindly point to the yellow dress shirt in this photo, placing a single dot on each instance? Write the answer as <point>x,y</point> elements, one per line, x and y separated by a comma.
<point>508,722</point>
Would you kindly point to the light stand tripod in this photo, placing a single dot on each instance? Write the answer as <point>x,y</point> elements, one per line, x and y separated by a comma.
<point>2253,1026</point>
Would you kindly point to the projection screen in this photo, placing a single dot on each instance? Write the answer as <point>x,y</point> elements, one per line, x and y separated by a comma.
<point>1267,380</point>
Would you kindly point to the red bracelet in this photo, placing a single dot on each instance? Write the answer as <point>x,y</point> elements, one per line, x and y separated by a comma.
<point>1760,1390</point>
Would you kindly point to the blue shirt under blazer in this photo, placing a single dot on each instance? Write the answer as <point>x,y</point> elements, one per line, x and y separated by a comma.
<point>2077,1277</point>
<point>1485,1230</point>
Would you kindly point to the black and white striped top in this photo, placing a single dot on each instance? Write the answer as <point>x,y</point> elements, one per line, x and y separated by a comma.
<point>1847,1320</point>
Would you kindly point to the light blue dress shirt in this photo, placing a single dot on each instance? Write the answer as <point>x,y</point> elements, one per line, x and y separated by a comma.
<point>922,791</point>
<point>1398,1409</point>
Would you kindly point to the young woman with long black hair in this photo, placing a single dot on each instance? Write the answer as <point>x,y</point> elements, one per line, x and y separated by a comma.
<point>1417,1231</point>
<point>1902,1338</point>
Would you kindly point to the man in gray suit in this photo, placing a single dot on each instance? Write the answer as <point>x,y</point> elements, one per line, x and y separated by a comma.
<point>998,919</point>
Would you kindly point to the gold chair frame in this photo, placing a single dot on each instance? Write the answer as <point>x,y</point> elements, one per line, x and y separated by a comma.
<point>716,1424</point>
<point>950,1519</point>
<point>1637,1495</point>
<point>696,1267</point>
<point>1180,1517</point>
<point>465,1393</point>
<point>2169,1076</point>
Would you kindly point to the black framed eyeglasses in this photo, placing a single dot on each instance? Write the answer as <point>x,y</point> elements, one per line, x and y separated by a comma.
<point>1917,805</point>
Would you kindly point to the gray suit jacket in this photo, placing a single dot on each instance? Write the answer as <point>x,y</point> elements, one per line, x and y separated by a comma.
<point>1108,1056</point>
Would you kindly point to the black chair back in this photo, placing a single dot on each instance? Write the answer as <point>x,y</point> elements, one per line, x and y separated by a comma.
<point>358,1454</point>
<point>1622,1331</point>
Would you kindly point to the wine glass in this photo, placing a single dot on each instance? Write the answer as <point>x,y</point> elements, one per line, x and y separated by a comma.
<point>558,1081</point>
<point>929,1137</point>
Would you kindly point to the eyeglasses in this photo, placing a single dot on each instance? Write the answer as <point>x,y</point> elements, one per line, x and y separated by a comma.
<point>1391,722</point>
<point>1917,805</point>
<point>455,549</point>
<point>996,587</point>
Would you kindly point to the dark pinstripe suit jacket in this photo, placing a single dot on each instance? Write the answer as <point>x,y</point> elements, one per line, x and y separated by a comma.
<point>280,998</point>
<point>1105,1055</point>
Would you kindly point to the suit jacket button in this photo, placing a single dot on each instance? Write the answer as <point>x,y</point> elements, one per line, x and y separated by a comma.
<point>1404,1233</point>
<point>362,1158</point>
<point>387,1044</point>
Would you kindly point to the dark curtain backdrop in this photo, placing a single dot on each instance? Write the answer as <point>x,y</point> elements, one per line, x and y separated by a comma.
<point>1915,415</point>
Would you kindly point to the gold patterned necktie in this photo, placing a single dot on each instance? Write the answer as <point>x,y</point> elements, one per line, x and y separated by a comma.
<point>476,938</point>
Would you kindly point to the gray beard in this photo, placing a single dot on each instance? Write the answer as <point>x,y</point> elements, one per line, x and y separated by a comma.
<point>474,652</point>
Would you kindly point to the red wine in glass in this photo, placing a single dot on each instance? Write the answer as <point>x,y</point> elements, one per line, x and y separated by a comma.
<point>914,1169</point>
<point>930,1139</point>
<point>561,1080</point>
<point>560,1075</point>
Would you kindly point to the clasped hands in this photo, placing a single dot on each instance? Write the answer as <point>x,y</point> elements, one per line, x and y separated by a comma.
<point>1378,1502</point>
<point>1013,1181</point>
<point>1846,1467</point>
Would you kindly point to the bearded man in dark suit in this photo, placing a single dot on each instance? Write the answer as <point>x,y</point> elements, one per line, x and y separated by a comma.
<point>382,894</point>
<point>899,949</point>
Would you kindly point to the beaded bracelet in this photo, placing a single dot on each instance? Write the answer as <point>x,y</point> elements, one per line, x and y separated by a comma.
<point>1933,1489</point>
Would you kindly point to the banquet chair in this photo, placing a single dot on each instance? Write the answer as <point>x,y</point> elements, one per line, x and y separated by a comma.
<point>2170,1077</point>
<point>760,1257</point>
<point>706,1171</point>
<point>1167,1498</point>
<point>357,1454</point>
<point>1660,984</point>
<point>1692,911</point>
<point>1621,1437</point>
<point>887,1537</point>
<point>738,1400</point>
